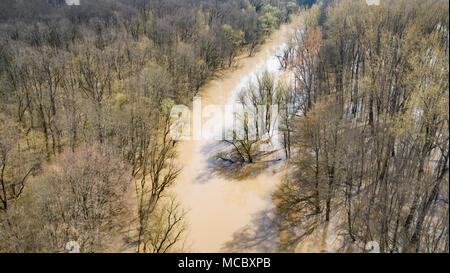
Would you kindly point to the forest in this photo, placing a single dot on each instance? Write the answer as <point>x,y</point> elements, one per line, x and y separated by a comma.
<point>86,94</point>
<point>370,133</point>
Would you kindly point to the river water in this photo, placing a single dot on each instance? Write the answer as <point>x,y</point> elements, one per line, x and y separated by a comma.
<point>229,210</point>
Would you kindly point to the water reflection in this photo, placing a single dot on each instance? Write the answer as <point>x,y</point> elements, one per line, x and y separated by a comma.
<point>260,235</point>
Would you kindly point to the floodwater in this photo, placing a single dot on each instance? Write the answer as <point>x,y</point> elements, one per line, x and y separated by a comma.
<point>230,210</point>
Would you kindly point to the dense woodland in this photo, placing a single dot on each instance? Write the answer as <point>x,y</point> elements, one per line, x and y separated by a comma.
<point>370,136</point>
<point>86,93</point>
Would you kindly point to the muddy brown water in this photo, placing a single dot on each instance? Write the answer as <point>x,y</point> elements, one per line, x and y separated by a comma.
<point>225,212</point>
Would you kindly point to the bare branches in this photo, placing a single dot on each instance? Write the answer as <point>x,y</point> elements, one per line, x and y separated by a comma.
<point>381,184</point>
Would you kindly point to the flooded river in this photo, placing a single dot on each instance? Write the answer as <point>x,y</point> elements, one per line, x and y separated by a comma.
<point>226,212</point>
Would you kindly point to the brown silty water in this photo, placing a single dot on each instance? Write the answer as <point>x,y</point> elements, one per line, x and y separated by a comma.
<point>230,210</point>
